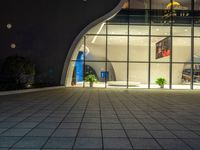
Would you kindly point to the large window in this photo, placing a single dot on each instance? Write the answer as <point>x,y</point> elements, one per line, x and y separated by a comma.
<point>146,40</point>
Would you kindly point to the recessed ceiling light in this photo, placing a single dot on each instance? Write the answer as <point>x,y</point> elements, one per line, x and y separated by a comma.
<point>9,26</point>
<point>186,30</point>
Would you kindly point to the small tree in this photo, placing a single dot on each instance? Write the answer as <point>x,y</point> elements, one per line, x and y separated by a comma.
<point>19,71</point>
<point>161,82</point>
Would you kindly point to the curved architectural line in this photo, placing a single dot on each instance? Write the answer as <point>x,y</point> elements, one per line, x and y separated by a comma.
<point>81,34</point>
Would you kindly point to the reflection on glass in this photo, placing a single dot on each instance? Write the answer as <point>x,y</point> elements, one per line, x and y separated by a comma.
<point>139,4</point>
<point>138,75</point>
<point>160,30</point>
<point>117,48</point>
<point>196,31</point>
<point>160,4</point>
<point>196,76</point>
<point>139,48</point>
<point>118,29</point>
<point>95,48</point>
<point>196,50</point>
<point>97,69</point>
<point>182,31</point>
<point>181,49</point>
<point>181,76</point>
<point>117,74</point>
<point>139,16</point>
<point>98,29</point>
<point>159,70</point>
<point>139,30</point>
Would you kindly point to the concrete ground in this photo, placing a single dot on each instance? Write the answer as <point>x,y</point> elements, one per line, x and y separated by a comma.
<point>94,119</point>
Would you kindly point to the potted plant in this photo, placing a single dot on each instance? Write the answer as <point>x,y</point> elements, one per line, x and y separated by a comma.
<point>161,82</point>
<point>91,79</point>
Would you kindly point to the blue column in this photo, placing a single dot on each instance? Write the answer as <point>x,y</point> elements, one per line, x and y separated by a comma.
<point>79,67</point>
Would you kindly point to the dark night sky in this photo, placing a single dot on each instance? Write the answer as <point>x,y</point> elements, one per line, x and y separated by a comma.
<point>44,30</point>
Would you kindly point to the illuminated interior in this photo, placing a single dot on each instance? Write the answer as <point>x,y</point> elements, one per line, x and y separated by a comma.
<point>140,44</point>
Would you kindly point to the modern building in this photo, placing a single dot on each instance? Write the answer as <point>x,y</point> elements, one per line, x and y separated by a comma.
<point>124,43</point>
<point>145,40</point>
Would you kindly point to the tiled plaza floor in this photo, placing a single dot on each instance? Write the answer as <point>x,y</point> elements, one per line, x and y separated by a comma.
<point>95,119</point>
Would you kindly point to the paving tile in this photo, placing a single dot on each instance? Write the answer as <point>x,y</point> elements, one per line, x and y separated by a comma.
<point>186,134</point>
<point>145,144</point>
<point>88,143</point>
<point>135,126</point>
<point>90,126</point>
<point>27,125</point>
<point>138,134</point>
<point>194,143</point>
<point>173,144</point>
<point>6,125</point>
<point>117,143</point>
<point>162,134</point>
<point>40,132</point>
<point>89,133</point>
<point>114,133</point>
<point>111,126</point>
<point>15,132</point>
<point>59,143</point>
<point>2,130</point>
<point>69,125</point>
<point>31,142</point>
<point>8,141</point>
<point>65,133</point>
<point>47,125</point>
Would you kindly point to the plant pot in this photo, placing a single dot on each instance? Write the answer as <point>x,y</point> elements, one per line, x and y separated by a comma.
<point>91,84</point>
<point>161,86</point>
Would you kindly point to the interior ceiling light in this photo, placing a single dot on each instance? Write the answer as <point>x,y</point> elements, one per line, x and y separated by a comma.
<point>98,32</point>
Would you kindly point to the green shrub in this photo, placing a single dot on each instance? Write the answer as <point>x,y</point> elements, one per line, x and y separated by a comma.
<point>161,82</point>
<point>91,78</point>
<point>18,71</point>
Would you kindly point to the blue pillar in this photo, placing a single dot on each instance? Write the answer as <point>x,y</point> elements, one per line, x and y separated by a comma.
<point>79,67</point>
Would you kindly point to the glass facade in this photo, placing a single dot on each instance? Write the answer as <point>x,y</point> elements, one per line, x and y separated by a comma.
<point>146,40</point>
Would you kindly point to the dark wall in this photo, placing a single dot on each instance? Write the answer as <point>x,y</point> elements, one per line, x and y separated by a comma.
<point>44,30</point>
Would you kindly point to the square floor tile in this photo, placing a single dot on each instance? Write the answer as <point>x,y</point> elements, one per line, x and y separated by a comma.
<point>31,142</point>
<point>40,132</point>
<point>185,134</point>
<point>65,133</point>
<point>27,125</point>
<point>145,144</point>
<point>114,133</point>
<point>162,134</point>
<point>90,126</point>
<point>15,132</point>
<point>59,143</point>
<point>88,143</point>
<point>8,141</point>
<point>138,134</point>
<point>117,143</point>
<point>69,125</point>
<point>194,143</point>
<point>89,133</point>
<point>111,126</point>
<point>173,144</point>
